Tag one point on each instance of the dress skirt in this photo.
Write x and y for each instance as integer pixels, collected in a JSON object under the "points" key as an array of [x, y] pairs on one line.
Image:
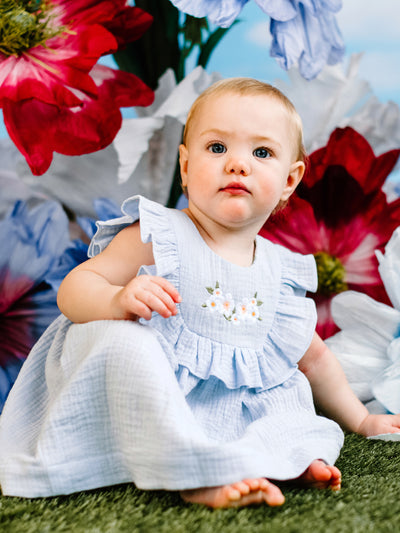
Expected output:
{"points": [[99, 404]]}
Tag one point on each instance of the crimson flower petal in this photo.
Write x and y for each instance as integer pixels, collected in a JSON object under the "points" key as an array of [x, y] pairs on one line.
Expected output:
{"points": [[39, 129], [53, 95]]}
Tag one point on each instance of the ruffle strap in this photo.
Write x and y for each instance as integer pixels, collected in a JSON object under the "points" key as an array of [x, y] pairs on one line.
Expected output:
{"points": [[155, 226]]}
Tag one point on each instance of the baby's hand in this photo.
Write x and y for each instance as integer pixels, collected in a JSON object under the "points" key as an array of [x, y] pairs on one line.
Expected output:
{"points": [[145, 294], [378, 424]]}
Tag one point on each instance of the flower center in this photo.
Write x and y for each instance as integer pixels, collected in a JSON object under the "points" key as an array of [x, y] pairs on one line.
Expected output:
{"points": [[25, 24], [331, 274]]}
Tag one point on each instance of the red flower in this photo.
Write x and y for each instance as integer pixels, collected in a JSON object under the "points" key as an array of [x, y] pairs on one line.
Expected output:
{"points": [[54, 96], [340, 214]]}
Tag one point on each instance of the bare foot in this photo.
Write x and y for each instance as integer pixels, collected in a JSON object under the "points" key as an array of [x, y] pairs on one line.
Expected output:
{"points": [[246, 492], [322, 476]]}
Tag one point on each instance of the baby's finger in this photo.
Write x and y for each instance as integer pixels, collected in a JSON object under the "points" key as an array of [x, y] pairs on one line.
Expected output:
{"points": [[156, 299], [168, 287]]}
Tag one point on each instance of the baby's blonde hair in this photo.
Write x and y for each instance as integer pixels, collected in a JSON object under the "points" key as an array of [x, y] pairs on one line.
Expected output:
{"points": [[245, 87]]}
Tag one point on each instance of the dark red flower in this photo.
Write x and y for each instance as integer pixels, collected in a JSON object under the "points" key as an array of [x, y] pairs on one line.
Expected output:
{"points": [[54, 96], [340, 214]]}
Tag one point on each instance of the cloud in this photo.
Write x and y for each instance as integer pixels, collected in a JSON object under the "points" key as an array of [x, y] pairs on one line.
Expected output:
{"points": [[376, 23]]}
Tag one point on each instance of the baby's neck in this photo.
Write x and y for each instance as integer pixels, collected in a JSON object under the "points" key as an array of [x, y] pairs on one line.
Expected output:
{"points": [[234, 245]]}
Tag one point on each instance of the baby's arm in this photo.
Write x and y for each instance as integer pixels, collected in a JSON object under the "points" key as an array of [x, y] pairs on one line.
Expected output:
{"points": [[333, 395], [107, 286]]}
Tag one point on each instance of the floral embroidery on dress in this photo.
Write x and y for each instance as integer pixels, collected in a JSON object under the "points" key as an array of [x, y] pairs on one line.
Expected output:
{"points": [[224, 304]]}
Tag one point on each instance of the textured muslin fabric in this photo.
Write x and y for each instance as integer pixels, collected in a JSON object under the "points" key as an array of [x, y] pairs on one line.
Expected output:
{"points": [[207, 397]]}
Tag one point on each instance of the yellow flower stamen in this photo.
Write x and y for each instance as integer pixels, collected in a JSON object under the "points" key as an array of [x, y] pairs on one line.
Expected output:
{"points": [[331, 274], [25, 24]]}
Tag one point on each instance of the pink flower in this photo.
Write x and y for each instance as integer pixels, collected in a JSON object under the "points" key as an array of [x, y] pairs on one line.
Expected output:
{"points": [[54, 96], [340, 214]]}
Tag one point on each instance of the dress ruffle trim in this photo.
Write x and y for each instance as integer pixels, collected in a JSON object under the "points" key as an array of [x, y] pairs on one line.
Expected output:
{"points": [[285, 343]]}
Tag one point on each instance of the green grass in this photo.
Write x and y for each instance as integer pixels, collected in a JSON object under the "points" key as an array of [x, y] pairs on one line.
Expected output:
{"points": [[368, 502]]}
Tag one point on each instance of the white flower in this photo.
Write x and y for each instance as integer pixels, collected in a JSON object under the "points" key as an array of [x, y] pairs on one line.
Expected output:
{"points": [[242, 309], [327, 101], [336, 99], [217, 293], [368, 345], [253, 313], [235, 319], [227, 305], [214, 304], [147, 146]]}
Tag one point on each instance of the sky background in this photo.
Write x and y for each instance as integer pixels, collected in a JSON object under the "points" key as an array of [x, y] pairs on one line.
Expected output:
{"points": [[244, 51]]}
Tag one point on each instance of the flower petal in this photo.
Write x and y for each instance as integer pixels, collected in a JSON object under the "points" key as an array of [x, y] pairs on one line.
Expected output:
{"points": [[222, 13], [38, 129]]}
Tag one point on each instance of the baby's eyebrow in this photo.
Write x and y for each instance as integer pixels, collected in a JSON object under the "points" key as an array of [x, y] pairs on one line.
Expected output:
{"points": [[214, 131]]}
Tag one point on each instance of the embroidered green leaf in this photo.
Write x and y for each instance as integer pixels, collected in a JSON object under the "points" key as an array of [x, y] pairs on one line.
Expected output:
{"points": [[217, 285], [259, 302], [204, 305], [210, 290]]}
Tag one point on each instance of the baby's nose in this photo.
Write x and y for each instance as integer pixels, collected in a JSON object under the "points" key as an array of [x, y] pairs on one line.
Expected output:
{"points": [[237, 165]]}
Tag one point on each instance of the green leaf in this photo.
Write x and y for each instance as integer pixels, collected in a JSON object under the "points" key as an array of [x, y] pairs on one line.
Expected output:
{"points": [[210, 290]]}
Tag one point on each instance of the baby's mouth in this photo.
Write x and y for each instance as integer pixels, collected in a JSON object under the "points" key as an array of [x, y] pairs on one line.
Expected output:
{"points": [[236, 187]]}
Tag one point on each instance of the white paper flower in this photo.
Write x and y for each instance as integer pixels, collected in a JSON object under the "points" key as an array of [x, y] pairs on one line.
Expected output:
{"points": [[147, 146], [11, 186], [368, 345], [327, 101]]}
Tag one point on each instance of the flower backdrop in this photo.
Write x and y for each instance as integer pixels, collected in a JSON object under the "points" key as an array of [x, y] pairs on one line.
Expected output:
{"points": [[71, 158]]}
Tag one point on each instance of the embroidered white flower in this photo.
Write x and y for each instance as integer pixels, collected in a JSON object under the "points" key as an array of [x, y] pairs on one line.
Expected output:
{"points": [[213, 304], [235, 319], [224, 304], [228, 305]]}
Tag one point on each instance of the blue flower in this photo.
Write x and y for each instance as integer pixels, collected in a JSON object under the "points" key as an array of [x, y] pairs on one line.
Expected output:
{"points": [[31, 242], [312, 37], [76, 251], [303, 31]]}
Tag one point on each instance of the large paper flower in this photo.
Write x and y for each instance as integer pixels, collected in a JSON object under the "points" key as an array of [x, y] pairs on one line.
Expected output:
{"points": [[31, 242], [368, 345], [341, 215], [54, 96], [303, 32]]}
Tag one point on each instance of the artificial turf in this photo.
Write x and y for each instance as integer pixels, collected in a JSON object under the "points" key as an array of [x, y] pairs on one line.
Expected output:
{"points": [[368, 502]]}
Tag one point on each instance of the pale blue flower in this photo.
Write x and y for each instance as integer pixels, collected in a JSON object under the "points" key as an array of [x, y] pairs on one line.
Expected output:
{"points": [[31, 242], [76, 251], [303, 32], [312, 38]]}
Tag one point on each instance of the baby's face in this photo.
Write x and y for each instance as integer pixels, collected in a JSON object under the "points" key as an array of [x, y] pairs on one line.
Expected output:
{"points": [[238, 162]]}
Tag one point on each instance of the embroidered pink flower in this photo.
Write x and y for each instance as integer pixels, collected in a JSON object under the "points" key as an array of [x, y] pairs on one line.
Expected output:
{"points": [[54, 96], [340, 214]]}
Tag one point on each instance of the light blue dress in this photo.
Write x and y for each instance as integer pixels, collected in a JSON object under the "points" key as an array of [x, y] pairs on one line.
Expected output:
{"points": [[210, 396]]}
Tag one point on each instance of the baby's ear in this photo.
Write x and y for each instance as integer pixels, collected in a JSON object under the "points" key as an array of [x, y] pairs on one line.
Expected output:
{"points": [[183, 163], [296, 173]]}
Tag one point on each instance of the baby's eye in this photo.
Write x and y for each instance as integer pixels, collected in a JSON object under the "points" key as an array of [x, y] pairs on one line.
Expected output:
{"points": [[217, 148], [262, 153]]}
